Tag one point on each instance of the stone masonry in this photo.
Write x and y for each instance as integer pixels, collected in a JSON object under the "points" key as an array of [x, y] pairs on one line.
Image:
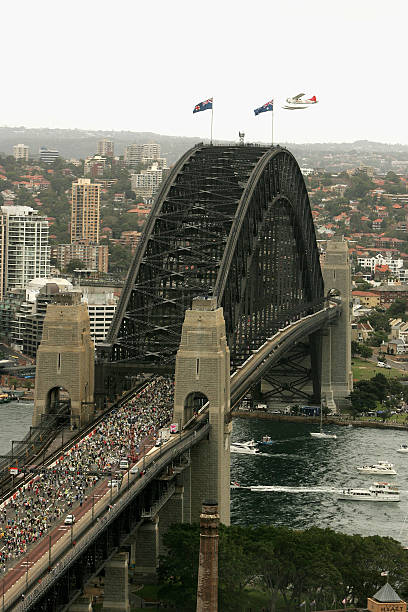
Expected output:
{"points": [[203, 366], [65, 359], [337, 379]]}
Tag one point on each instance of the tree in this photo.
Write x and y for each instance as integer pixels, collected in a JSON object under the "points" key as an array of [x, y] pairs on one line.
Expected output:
{"points": [[365, 351], [398, 308], [74, 264]]}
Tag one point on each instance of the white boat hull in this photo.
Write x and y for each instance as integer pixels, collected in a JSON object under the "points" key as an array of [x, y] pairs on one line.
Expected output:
{"points": [[363, 470], [403, 451], [243, 451], [323, 435], [368, 498]]}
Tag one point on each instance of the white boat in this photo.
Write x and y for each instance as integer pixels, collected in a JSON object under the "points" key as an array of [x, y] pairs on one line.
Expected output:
{"points": [[320, 434], [382, 467], [403, 448], [243, 449], [378, 492]]}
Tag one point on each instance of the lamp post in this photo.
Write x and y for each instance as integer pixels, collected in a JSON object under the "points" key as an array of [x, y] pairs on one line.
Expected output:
{"points": [[49, 551], [93, 505]]}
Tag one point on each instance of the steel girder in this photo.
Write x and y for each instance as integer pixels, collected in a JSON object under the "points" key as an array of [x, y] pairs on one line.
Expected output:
{"points": [[230, 221]]}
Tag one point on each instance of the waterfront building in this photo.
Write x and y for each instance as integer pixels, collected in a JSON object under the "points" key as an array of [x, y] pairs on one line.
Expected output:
{"points": [[20, 151], [386, 600], [24, 248], [85, 207]]}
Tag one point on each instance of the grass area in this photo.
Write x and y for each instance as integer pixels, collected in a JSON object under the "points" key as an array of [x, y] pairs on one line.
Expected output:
{"points": [[363, 369]]}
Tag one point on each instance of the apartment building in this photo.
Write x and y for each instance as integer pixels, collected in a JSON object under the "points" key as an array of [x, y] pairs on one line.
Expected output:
{"points": [[48, 156], [136, 154], [94, 256], [147, 182], [105, 147], [24, 248], [85, 207], [20, 151]]}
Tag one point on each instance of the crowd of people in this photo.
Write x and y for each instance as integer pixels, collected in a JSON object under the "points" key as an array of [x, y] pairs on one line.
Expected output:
{"points": [[58, 489]]}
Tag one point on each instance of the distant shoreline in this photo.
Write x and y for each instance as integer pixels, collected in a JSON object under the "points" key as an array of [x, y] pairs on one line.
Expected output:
{"points": [[289, 418]]}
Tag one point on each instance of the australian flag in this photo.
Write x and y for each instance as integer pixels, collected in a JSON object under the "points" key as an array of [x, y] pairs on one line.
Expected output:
{"points": [[268, 106], [206, 105]]}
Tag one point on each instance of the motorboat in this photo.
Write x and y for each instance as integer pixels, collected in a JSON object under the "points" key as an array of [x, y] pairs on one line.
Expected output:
{"points": [[378, 492], [382, 467], [321, 434], [403, 449], [243, 449], [235, 485], [266, 440]]}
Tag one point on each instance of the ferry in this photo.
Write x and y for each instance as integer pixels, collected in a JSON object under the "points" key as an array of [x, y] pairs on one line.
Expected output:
{"points": [[378, 492], [243, 448], [403, 448]]}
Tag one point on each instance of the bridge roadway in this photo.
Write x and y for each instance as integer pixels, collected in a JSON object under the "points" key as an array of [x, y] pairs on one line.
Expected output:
{"points": [[65, 543]]}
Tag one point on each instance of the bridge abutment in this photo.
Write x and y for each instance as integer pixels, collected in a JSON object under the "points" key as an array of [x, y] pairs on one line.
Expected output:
{"points": [[337, 380], [172, 512], [203, 374]]}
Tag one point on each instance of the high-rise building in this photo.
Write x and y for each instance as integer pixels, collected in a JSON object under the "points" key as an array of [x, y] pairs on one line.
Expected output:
{"points": [[24, 249], [85, 205], [136, 154], [20, 151], [105, 147], [48, 156]]}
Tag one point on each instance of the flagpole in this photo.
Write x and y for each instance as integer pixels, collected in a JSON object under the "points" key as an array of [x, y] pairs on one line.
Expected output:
{"points": [[272, 128], [212, 116]]}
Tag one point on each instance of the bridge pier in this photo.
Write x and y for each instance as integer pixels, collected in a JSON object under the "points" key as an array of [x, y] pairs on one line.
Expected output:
{"points": [[172, 512], [203, 375], [116, 592], [145, 551], [337, 379]]}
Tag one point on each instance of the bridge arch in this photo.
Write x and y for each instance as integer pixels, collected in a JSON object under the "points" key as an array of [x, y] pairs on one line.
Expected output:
{"points": [[193, 402], [230, 221]]}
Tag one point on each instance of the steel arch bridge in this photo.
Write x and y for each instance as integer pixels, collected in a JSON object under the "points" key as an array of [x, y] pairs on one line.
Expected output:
{"points": [[229, 221]]}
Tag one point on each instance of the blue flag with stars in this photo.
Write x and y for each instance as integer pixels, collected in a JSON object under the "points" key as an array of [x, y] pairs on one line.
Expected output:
{"points": [[201, 106], [268, 106]]}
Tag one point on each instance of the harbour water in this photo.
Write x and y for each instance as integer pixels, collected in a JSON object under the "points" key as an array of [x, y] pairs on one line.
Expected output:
{"points": [[305, 474], [15, 421]]}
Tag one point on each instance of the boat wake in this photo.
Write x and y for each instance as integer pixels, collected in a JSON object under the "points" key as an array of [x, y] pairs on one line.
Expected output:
{"points": [[281, 489]]}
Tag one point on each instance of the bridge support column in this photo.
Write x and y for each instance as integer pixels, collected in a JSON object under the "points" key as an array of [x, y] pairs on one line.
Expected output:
{"points": [[336, 355], [203, 373], [185, 478], [147, 551], [171, 513], [116, 593]]}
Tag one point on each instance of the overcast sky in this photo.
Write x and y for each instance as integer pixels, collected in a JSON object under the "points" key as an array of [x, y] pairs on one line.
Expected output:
{"points": [[142, 65]]}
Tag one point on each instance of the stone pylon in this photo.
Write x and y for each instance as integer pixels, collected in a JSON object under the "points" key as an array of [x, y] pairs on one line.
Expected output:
{"points": [[203, 374], [337, 379], [207, 586], [65, 359]]}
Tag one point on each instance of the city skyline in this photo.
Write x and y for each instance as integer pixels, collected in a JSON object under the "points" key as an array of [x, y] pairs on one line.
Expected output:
{"points": [[349, 55]]}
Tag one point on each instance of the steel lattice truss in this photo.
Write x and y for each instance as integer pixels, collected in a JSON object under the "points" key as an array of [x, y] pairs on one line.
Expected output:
{"points": [[230, 221]]}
